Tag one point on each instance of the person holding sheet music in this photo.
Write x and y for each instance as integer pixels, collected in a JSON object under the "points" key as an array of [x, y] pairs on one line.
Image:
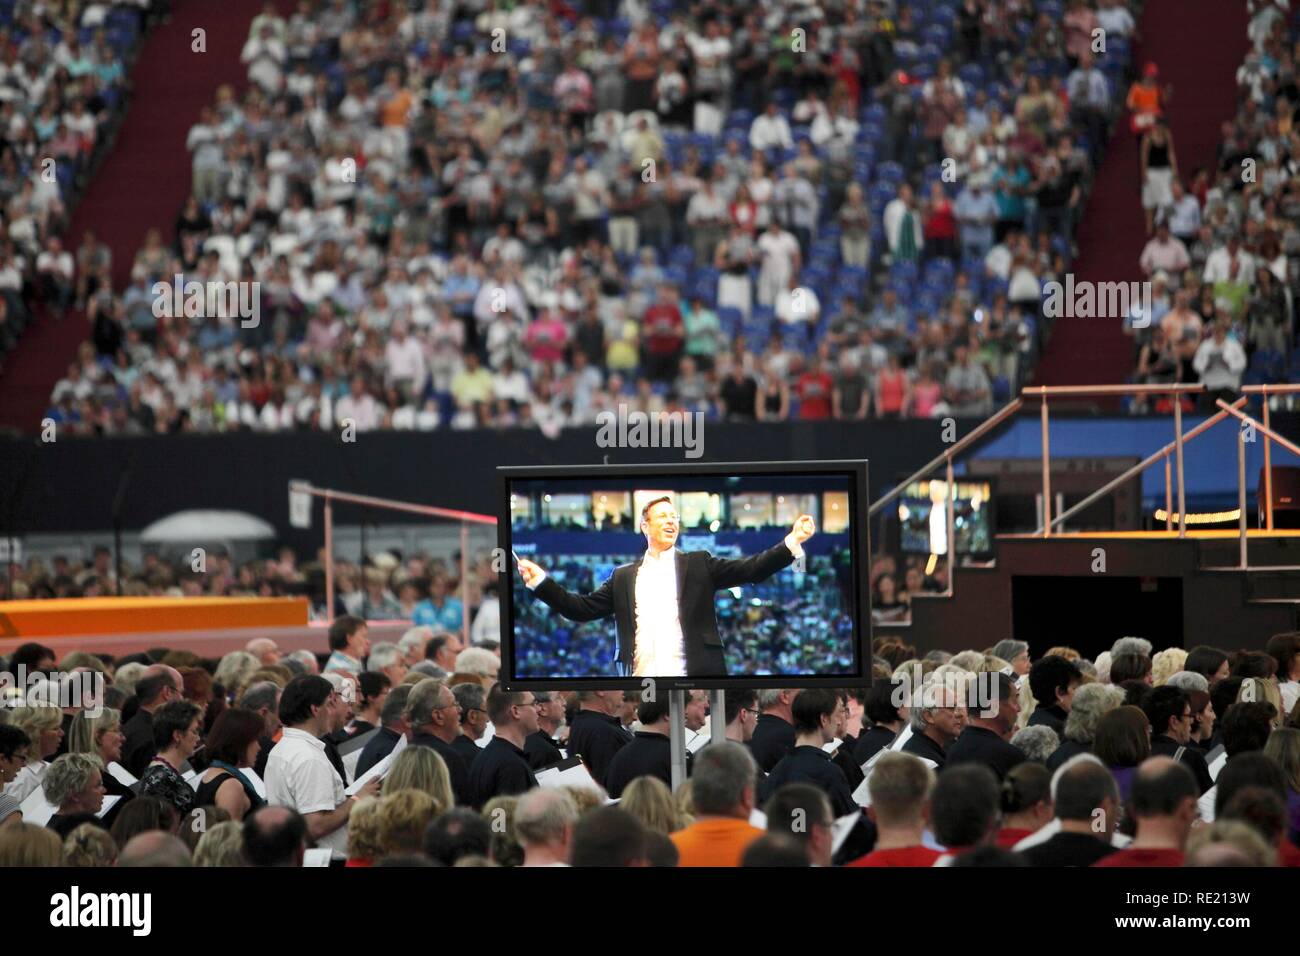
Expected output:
{"points": [[298, 773], [433, 715], [74, 784], [392, 728], [502, 768], [177, 734], [663, 602], [938, 718], [158, 686], [232, 747], [816, 718], [102, 737], [13, 756]]}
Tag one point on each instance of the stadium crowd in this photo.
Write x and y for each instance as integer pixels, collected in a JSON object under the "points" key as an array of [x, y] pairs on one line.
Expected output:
{"points": [[1224, 259], [464, 216], [63, 92], [410, 754]]}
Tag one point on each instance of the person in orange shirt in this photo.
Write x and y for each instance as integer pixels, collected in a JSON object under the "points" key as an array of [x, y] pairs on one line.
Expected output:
{"points": [[723, 785], [1146, 101]]}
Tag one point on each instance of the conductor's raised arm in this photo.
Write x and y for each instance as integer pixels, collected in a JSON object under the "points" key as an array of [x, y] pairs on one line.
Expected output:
{"points": [[728, 573], [576, 607]]}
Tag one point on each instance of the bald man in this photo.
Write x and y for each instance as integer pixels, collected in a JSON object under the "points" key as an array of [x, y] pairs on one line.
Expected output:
{"points": [[275, 837], [544, 821], [158, 685], [154, 848], [265, 650]]}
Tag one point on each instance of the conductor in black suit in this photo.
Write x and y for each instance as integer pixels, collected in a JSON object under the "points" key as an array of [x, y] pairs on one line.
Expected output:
{"points": [[663, 602]]}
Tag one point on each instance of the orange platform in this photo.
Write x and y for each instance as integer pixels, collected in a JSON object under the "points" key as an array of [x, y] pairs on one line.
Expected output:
{"points": [[74, 617]]}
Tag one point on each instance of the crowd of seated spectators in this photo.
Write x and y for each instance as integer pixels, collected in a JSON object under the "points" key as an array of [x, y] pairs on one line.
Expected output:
{"points": [[982, 758], [1224, 260], [63, 91], [460, 216]]}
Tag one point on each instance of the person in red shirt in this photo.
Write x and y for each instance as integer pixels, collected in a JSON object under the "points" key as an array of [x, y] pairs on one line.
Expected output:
{"points": [[814, 390], [900, 787], [1164, 799], [664, 334], [1026, 803]]}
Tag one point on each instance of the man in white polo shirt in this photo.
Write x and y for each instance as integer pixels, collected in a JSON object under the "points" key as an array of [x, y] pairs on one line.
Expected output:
{"points": [[300, 775]]}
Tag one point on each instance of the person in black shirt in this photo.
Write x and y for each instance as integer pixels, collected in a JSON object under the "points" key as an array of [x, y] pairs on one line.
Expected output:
{"points": [[392, 728], [471, 699], [434, 720], [1170, 713], [648, 755], [739, 394], [812, 829], [1086, 798], [774, 734], [541, 747], [502, 768], [881, 709], [596, 734], [815, 717], [158, 685], [938, 716], [263, 698], [1052, 680], [740, 708], [989, 722]]}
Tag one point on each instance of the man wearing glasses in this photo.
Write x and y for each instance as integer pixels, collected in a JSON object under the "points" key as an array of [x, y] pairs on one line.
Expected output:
{"points": [[742, 714], [473, 721], [1170, 713], [433, 715], [938, 718], [663, 603], [502, 767]]}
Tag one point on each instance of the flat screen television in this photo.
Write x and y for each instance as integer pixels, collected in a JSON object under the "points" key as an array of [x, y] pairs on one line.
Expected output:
{"points": [[923, 520], [693, 576]]}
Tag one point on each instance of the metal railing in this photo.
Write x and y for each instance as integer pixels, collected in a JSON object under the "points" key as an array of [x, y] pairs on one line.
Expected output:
{"points": [[1043, 391], [330, 496], [946, 458], [1266, 391]]}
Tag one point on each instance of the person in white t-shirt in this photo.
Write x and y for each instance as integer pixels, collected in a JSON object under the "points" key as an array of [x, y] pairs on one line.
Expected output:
{"points": [[298, 773]]}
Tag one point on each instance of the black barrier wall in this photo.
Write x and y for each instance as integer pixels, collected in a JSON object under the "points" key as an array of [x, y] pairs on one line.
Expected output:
{"points": [[69, 485]]}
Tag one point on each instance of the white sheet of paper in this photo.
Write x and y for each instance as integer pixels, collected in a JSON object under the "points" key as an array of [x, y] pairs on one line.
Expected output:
{"points": [[833, 746], [841, 829], [121, 774], [36, 809], [758, 819], [109, 801], [862, 795], [379, 770], [488, 733], [317, 856], [576, 776], [697, 743], [193, 777]]}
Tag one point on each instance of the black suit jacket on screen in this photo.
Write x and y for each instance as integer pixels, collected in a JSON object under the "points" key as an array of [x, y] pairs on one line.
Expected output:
{"points": [[699, 576]]}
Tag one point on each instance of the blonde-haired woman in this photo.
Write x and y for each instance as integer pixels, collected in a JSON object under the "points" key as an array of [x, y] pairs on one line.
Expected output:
{"points": [[43, 724], [222, 845], [421, 768], [403, 818], [365, 845], [26, 844], [1166, 664], [1265, 689], [650, 801], [89, 845]]}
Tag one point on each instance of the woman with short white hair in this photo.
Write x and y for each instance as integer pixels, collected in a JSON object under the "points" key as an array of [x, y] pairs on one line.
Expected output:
{"points": [[75, 784]]}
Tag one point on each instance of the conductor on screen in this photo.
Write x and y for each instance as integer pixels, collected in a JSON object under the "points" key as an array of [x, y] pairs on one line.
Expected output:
{"points": [[663, 601]]}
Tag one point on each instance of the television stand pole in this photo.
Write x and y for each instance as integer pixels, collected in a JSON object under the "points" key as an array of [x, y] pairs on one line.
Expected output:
{"points": [[677, 735]]}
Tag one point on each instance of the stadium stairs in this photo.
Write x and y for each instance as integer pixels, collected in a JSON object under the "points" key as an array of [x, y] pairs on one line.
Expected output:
{"points": [[1198, 45], [142, 182]]}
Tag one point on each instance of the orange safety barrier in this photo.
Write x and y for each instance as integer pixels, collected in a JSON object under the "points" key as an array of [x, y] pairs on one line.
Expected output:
{"points": [[113, 615]]}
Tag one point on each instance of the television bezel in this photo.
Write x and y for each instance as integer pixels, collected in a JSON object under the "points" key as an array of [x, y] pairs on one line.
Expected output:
{"points": [[859, 556]]}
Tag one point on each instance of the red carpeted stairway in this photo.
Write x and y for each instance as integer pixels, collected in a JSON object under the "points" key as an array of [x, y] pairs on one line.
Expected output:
{"points": [[1198, 45], [142, 183]]}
